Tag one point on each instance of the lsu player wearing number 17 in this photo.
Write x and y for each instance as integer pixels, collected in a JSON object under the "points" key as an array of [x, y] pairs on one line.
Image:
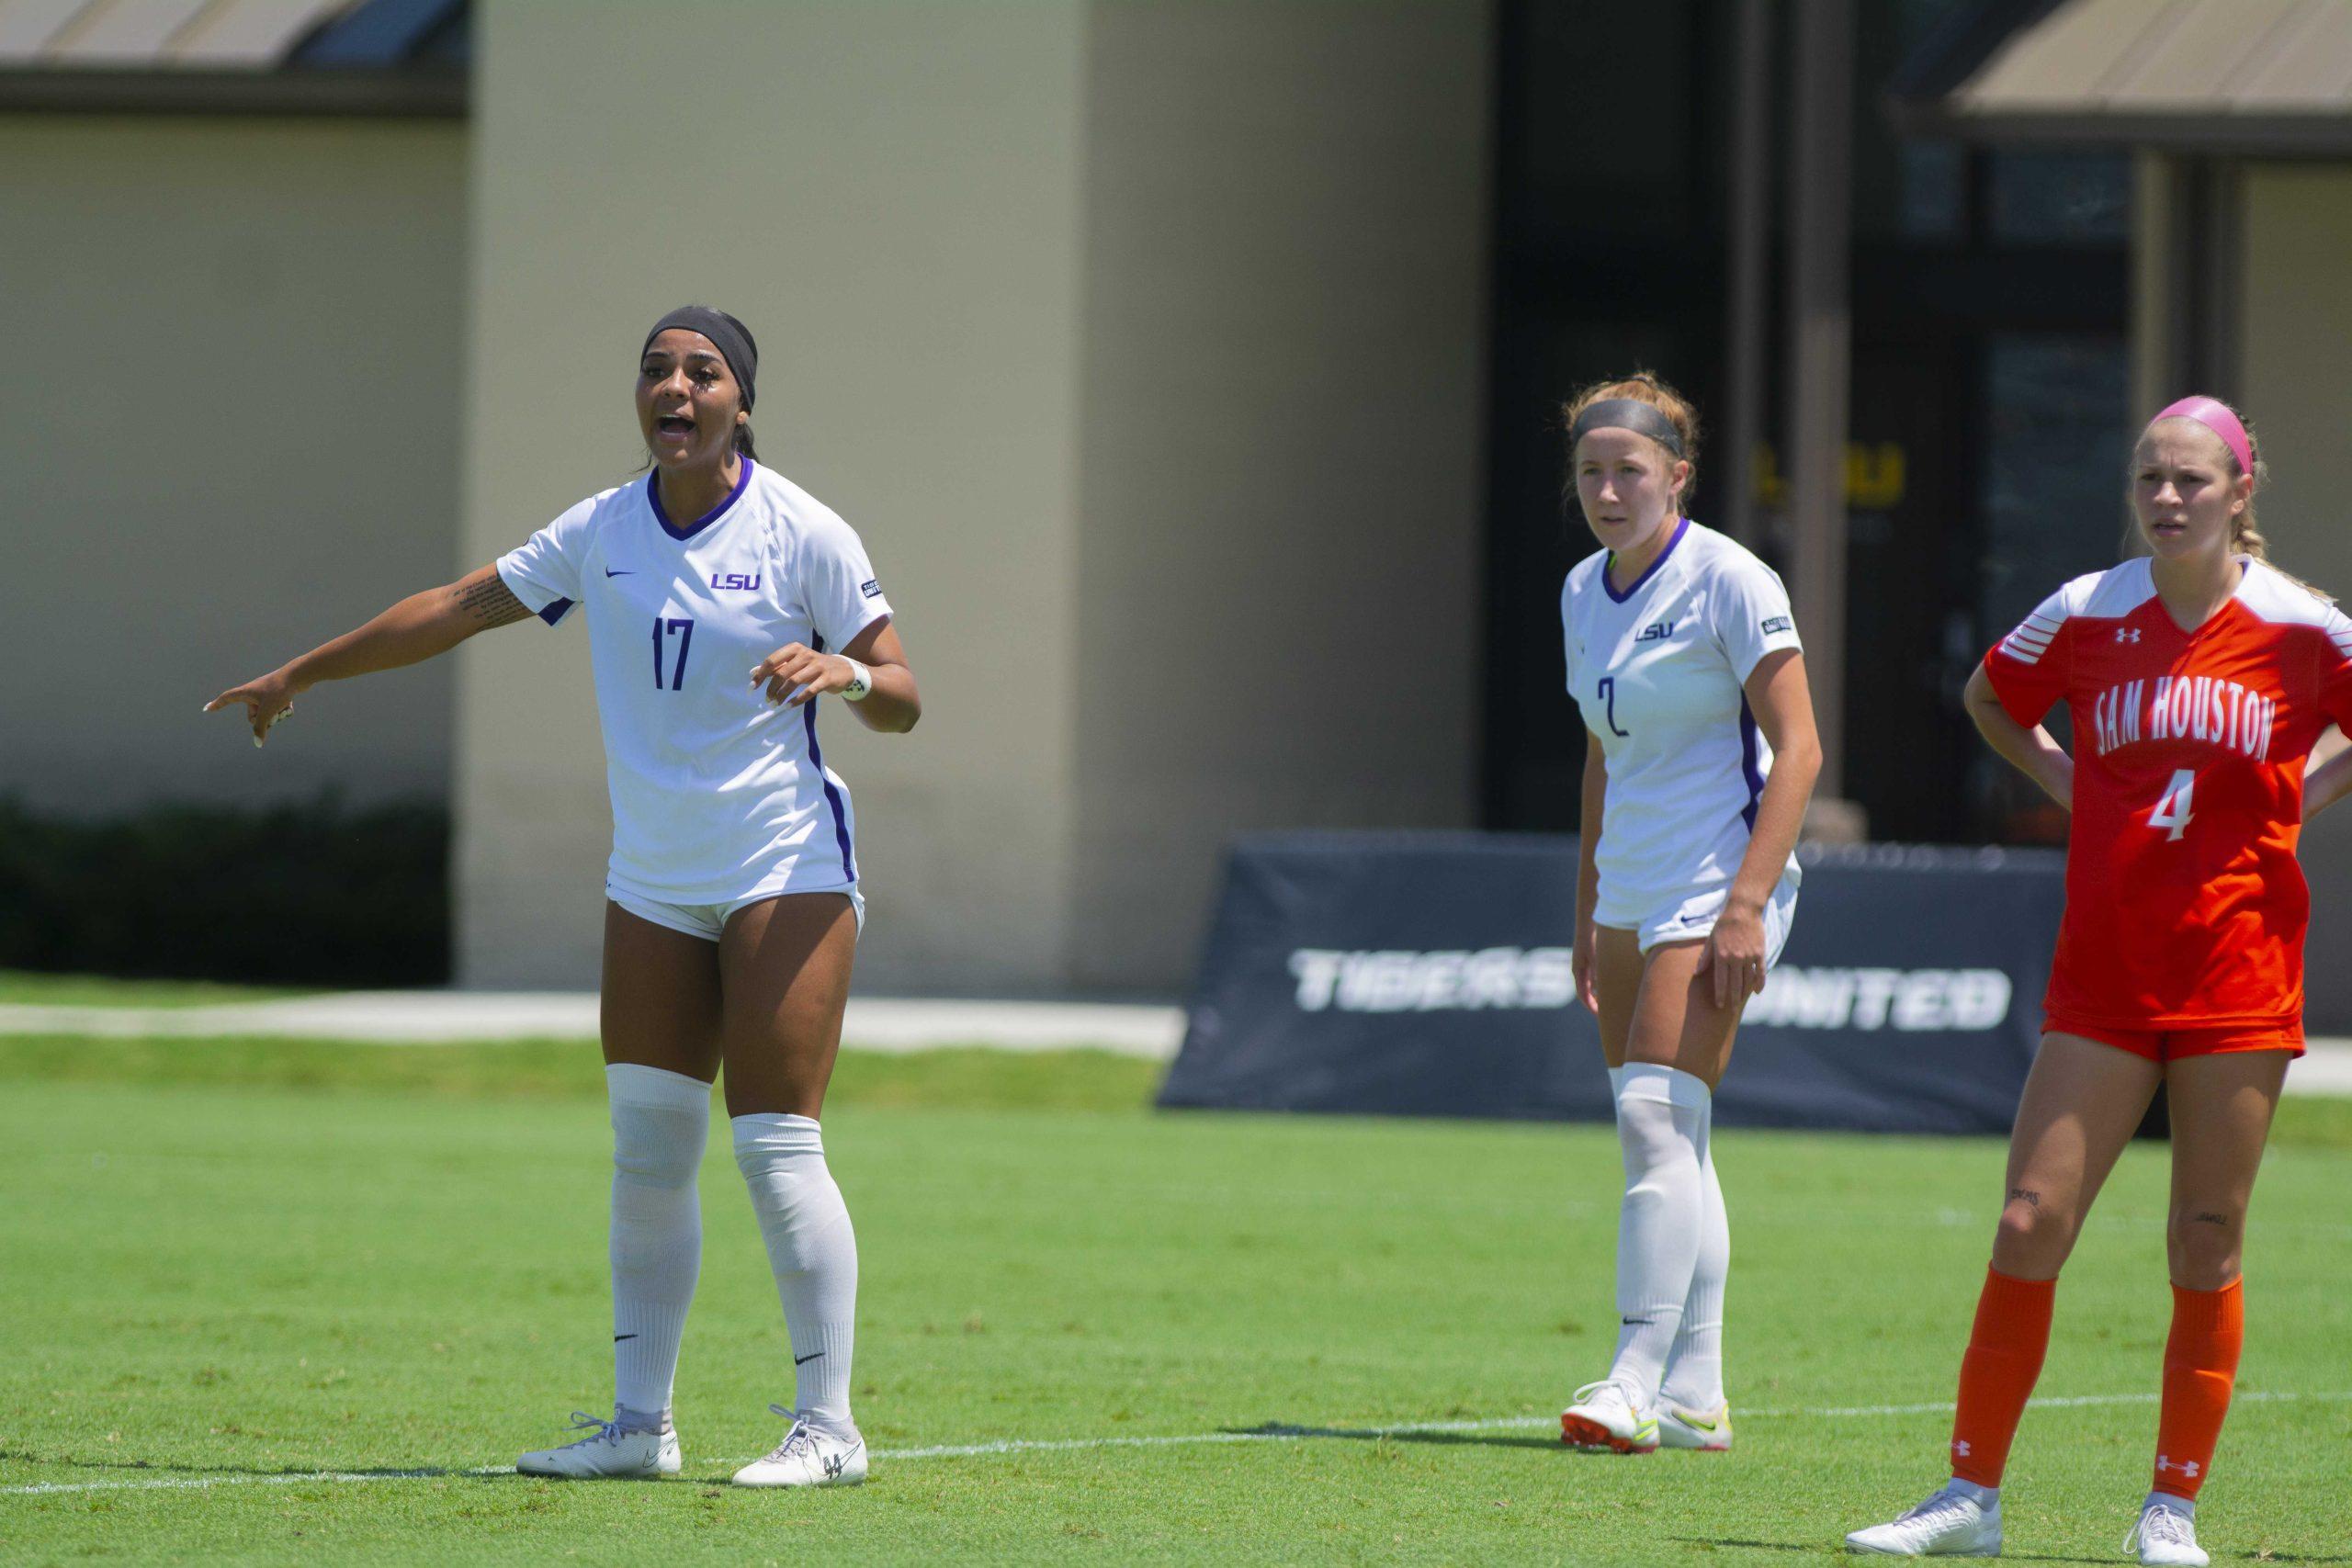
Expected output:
{"points": [[721, 601]]}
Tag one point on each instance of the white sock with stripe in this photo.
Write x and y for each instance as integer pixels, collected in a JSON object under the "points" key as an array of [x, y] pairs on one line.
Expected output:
{"points": [[1694, 1367], [660, 1121], [812, 1251], [1660, 1113]]}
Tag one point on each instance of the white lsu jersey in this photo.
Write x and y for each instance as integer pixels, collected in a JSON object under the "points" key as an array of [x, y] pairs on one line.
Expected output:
{"points": [[717, 794], [1659, 671]]}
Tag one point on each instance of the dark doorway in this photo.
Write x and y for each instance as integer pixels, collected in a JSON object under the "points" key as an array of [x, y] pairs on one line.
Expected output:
{"points": [[1990, 304]]}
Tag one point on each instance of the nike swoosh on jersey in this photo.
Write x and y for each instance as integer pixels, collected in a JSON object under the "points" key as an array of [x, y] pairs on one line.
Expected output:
{"points": [[625, 571]]}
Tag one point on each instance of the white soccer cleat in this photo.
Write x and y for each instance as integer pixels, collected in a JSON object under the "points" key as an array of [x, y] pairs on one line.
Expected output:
{"points": [[607, 1453], [807, 1457], [2165, 1536], [1707, 1431], [1946, 1524], [1604, 1417]]}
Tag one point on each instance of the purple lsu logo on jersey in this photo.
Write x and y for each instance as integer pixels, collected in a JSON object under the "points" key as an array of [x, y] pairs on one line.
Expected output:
{"points": [[734, 580]]}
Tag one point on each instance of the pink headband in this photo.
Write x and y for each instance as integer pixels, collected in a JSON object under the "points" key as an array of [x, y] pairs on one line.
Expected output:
{"points": [[2221, 419]]}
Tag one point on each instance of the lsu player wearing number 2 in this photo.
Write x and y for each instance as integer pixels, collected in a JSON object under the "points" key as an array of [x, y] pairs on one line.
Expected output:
{"points": [[1700, 754], [2198, 679], [721, 602]]}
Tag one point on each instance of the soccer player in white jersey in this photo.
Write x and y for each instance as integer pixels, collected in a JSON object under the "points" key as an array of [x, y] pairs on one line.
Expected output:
{"points": [[721, 602], [1700, 755]]}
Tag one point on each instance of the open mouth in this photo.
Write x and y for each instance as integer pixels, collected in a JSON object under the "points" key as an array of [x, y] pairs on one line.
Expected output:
{"points": [[674, 424]]}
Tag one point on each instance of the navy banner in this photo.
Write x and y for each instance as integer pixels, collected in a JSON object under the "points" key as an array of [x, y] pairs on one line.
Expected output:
{"points": [[1427, 973]]}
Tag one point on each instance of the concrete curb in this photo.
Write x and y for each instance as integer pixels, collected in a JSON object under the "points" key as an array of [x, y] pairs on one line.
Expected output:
{"points": [[449, 1017]]}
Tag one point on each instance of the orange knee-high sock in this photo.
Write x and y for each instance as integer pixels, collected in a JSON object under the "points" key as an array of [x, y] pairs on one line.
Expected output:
{"points": [[2200, 1368], [2005, 1351]]}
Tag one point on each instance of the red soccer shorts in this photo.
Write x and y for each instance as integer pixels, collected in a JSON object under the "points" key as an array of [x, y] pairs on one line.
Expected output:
{"points": [[2171, 1045]]}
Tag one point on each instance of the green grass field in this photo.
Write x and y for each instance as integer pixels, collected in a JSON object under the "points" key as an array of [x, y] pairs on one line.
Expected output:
{"points": [[229, 1266]]}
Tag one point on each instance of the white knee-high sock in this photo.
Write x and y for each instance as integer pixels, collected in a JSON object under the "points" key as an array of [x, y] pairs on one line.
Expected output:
{"points": [[1660, 1110], [813, 1252], [1694, 1368], [659, 1119]]}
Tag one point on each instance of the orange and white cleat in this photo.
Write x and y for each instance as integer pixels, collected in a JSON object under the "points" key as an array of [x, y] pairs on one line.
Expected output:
{"points": [[1604, 1417]]}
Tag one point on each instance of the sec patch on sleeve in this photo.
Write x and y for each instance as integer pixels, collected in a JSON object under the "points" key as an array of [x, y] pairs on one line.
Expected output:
{"points": [[871, 588]]}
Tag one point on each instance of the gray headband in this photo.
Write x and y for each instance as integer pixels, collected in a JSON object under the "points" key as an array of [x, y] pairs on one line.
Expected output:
{"points": [[730, 336], [1627, 413]]}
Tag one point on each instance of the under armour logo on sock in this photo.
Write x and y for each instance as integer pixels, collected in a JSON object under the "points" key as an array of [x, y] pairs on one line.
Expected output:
{"points": [[2187, 1467], [1960, 1447]]}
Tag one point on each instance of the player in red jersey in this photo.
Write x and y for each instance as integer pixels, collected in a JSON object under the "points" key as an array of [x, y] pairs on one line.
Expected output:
{"points": [[2198, 679]]}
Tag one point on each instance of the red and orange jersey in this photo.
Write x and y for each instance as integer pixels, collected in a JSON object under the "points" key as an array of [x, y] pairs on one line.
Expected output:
{"points": [[2185, 904]]}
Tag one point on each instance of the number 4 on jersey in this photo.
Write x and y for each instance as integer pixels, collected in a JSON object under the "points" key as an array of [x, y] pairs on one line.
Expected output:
{"points": [[2173, 810]]}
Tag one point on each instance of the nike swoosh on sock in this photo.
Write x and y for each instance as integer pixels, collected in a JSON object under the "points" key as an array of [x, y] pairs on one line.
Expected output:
{"points": [[803, 1360]]}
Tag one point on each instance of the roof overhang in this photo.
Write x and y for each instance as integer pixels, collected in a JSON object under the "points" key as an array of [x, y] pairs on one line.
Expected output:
{"points": [[374, 58], [2234, 77]]}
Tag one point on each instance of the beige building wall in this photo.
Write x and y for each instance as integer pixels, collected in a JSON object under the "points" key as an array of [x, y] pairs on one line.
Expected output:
{"points": [[2296, 320], [227, 433], [2296, 324], [1139, 341], [889, 195]]}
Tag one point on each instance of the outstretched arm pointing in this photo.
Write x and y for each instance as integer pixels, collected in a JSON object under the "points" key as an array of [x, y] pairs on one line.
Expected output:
{"points": [[409, 633]]}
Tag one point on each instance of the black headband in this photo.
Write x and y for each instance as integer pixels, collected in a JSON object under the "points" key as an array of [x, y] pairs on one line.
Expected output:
{"points": [[730, 336], [1627, 413]]}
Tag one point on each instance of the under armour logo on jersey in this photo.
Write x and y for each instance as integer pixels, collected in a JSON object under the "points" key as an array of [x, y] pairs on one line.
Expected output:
{"points": [[2187, 1467], [2127, 633], [1656, 631]]}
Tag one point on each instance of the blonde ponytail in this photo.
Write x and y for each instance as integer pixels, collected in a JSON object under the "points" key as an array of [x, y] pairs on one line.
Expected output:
{"points": [[2246, 533]]}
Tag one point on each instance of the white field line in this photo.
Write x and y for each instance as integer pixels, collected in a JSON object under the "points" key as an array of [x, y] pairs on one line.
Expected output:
{"points": [[1285, 1434]]}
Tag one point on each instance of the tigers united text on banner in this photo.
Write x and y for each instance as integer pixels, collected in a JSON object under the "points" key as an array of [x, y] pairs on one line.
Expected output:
{"points": [[1430, 973]]}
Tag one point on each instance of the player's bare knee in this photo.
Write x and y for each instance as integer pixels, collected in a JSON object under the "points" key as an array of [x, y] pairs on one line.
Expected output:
{"points": [[2035, 1234], [2202, 1243]]}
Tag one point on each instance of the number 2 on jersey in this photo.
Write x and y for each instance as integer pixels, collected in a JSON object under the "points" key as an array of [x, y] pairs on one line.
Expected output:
{"points": [[1608, 690], [684, 630], [2174, 810]]}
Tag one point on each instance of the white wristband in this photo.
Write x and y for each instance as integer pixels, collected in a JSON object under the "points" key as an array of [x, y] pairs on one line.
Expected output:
{"points": [[861, 683]]}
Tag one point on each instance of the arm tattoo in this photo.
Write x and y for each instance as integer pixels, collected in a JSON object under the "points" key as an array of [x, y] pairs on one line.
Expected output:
{"points": [[489, 603], [2025, 1195]]}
